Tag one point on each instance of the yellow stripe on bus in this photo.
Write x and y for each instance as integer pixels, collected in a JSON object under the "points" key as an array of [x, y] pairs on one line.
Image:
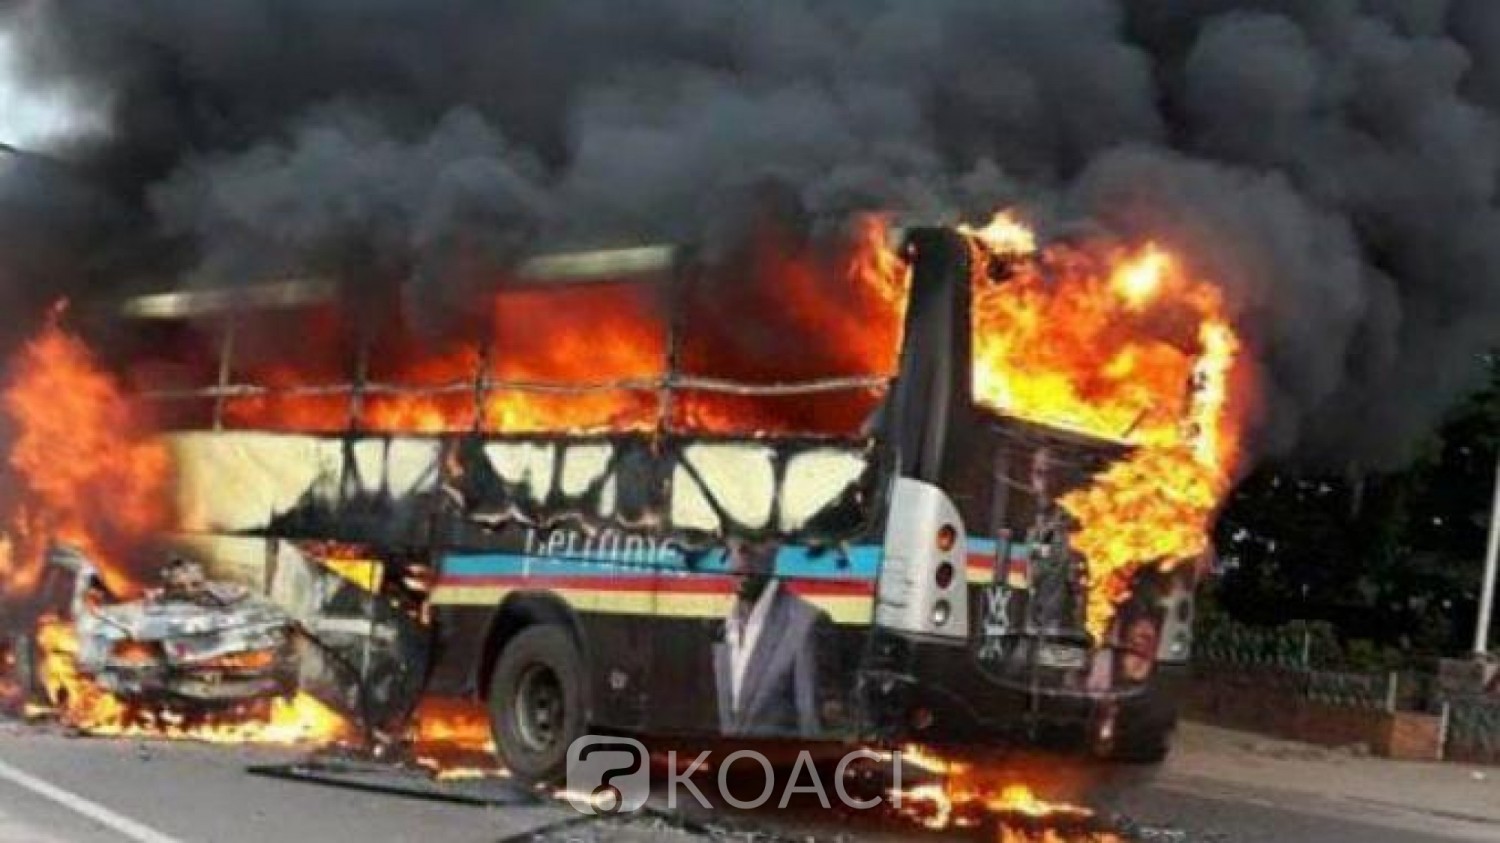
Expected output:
{"points": [[841, 608]]}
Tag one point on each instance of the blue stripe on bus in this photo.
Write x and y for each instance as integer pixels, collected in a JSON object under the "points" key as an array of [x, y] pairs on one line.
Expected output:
{"points": [[856, 562], [860, 562]]}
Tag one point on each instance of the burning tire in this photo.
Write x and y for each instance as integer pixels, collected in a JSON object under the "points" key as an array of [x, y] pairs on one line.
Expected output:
{"points": [[537, 706]]}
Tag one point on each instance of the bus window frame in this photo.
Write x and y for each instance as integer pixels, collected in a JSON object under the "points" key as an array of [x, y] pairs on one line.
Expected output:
{"points": [[667, 385]]}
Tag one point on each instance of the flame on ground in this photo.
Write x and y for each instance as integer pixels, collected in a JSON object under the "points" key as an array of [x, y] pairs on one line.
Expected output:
{"points": [[1126, 344], [959, 795], [84, 705], [451, 738], [462, 722]]}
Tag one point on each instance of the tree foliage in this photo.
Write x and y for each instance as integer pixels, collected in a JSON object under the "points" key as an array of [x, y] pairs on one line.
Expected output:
{"points": [[1391, 558]]}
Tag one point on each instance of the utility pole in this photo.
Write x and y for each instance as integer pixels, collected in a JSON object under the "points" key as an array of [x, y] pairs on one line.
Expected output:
{"points": [[1491, 564]]}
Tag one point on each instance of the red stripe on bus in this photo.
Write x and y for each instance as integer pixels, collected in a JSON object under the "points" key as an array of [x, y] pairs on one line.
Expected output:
{"points": [[982, 561]]}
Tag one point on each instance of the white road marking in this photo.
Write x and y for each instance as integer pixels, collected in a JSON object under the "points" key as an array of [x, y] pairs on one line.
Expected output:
{"points": [[77, 804]]}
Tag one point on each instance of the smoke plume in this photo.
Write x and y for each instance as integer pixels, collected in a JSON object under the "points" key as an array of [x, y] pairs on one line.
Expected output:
{"points": [[1332, 164]]}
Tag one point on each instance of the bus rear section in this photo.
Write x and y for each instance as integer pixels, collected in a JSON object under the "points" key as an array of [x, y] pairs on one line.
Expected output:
{"points": [[979, 638]]}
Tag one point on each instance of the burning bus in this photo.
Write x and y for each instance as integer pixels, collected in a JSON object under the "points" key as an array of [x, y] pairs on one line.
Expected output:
{"points": [[934, 486]]}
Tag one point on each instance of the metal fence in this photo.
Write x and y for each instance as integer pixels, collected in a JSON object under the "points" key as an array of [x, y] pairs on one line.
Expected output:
{"points": [[1301, 661], [1300, 646], [1378, 691], [1473, 727], [1365, 691], [1305, 660]]}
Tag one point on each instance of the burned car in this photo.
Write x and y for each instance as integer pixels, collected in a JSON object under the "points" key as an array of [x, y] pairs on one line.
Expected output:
{"points": [[192, 641]]}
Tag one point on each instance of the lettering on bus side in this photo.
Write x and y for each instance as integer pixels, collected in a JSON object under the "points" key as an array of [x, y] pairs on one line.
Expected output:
{"points": [[607, 545]]}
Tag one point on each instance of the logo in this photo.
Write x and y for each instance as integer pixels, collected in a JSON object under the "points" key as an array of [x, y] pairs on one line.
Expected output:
{"points": [[607, 775], [996, 622], [997, 610], [612, 775]]}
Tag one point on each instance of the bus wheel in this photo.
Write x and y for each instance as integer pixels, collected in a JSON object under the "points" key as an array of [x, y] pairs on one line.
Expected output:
{"points": [[1143, 733], [537, 702]]}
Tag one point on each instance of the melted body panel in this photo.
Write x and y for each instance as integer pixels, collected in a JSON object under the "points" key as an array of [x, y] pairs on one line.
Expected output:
{"points": [[221, 645]]}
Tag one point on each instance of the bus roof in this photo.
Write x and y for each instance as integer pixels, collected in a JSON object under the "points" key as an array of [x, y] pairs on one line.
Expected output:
{"points": [[553, 269]]}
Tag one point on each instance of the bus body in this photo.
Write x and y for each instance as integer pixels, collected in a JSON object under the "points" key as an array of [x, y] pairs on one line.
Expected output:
{"points": [[909, 581]]}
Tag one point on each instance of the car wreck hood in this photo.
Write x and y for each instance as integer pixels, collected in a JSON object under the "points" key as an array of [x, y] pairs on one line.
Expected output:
{"points": [[156, 621]]}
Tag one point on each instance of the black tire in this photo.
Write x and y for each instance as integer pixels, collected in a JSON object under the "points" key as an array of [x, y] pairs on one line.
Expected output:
{"points": [[1144, 729], [537, 703], [28, 667]]}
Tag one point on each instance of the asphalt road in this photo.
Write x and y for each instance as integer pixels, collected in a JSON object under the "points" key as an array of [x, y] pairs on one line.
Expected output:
{"points": [[59, 789]]}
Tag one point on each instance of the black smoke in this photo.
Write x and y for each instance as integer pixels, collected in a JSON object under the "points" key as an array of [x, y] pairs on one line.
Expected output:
{"points": [[1332, 164]]}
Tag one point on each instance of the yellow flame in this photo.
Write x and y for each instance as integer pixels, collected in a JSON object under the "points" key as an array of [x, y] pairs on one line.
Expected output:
{"points": [[1126, 344], [962, 789], [1138, 280], [1005, 234], [83, 704]]}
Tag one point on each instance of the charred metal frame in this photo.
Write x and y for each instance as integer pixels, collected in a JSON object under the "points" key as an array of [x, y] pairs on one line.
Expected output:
{"points": [[482, 383]]}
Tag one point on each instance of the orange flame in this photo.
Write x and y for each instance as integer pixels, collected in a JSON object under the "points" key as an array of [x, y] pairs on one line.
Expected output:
{"points": [[961, 791], [86, 706], [451, 738], [462, 723], [549, 349], [1124, 344], [87, 470]]}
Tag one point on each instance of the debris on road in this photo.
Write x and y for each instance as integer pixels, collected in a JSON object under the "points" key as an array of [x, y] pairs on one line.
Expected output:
{"points": [[354, 772]]}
